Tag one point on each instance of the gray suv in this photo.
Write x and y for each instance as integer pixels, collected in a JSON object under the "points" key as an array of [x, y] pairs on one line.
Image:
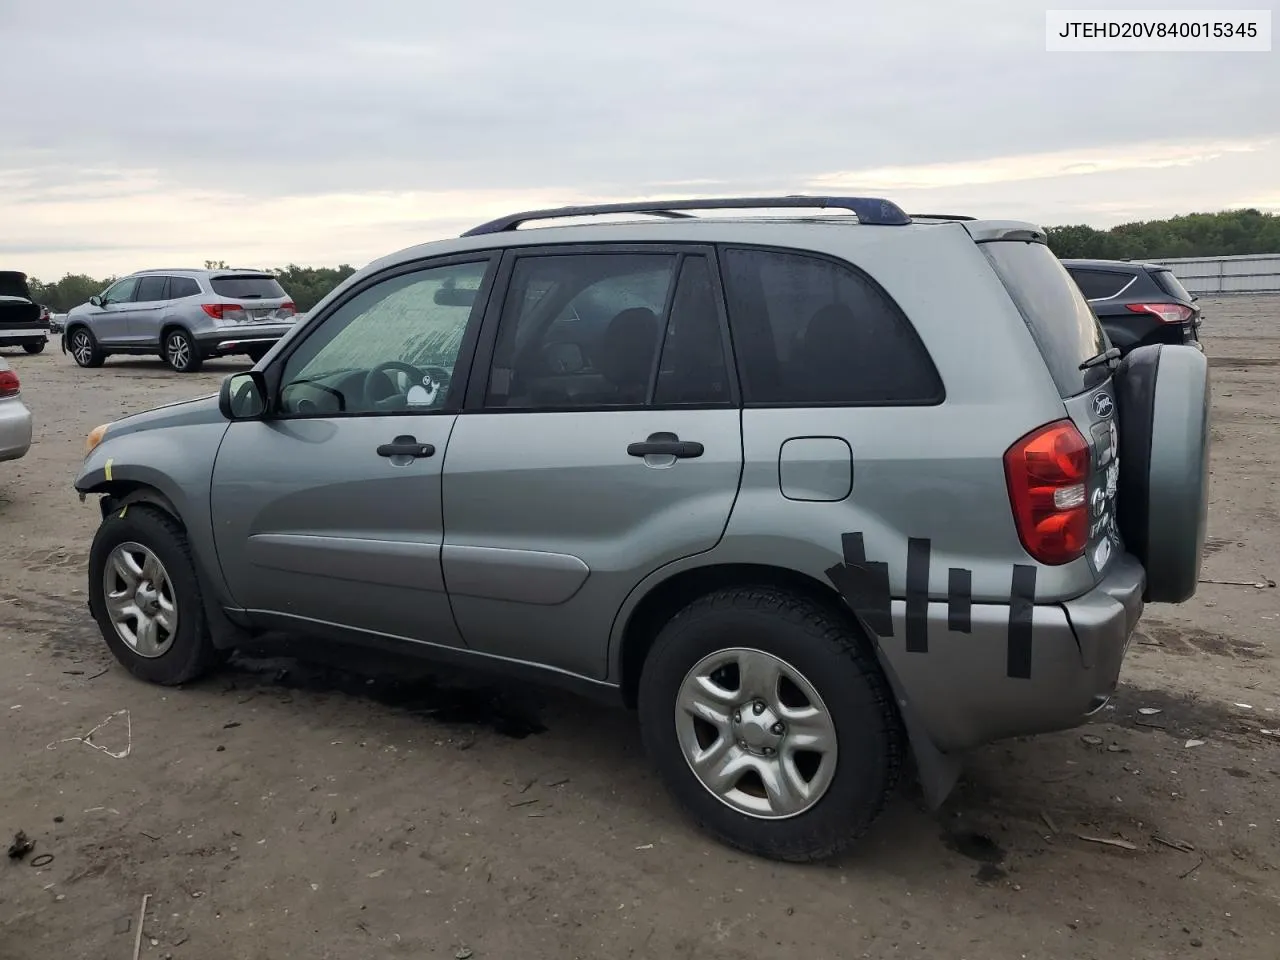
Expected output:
{"points": [[815, 494], [184, 316]]}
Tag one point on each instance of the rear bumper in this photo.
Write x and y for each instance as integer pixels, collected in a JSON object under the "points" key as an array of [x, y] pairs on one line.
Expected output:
{"points": [[24, 334], [15, 428], [233, 340], [961, 692]]}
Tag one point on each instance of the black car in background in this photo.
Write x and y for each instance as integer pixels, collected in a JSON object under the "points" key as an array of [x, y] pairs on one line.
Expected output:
{"points": [[1137, 303]]}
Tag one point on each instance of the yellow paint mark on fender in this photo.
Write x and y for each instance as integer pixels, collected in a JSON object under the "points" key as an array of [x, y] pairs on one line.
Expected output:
{"points": [[107, 468]]}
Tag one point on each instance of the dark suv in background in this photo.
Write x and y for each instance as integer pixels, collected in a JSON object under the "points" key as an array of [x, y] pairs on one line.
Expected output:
{"points": [[1137, 303]]}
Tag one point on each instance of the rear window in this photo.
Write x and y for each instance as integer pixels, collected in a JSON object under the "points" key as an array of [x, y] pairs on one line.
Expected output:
{"points": [[1170, 284], [1099, 284], [1056, 312], [247, 287]]}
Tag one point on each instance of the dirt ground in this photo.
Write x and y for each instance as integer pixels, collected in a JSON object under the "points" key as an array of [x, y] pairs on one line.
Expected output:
{"points": [[291, 809]]}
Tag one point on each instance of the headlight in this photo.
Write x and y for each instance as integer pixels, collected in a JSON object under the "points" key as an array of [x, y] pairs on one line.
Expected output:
{"points": [[95, 437]]}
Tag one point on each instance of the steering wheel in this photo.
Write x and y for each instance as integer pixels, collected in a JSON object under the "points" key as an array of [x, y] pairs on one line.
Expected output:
{"points": [[434, 380]]}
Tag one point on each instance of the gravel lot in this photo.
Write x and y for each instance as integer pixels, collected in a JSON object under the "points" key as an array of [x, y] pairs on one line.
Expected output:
{"points": [[286, 808]]}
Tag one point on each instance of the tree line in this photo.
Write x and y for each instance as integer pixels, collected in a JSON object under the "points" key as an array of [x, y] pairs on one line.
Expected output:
{"points": [[1230, 233]]}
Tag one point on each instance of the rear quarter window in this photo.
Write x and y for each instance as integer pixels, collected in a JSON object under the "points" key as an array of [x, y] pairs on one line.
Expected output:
{"points": [[1060, 319], [247, 287], [812, 331], [1099, 284]]}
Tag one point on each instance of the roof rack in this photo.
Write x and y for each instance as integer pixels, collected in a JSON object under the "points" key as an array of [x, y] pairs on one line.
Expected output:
{"points": [[869, 210], [941, 216]]}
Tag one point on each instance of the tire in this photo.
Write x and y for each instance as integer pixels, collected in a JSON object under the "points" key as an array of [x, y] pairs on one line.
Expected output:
{"points": [[84, 349], [181, 352], [163, 657], [761, 627], [1162, 401], [36, 347], [257, 353]]}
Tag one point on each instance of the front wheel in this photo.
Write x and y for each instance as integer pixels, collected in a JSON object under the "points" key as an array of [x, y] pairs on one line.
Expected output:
{"points": [[36, 346], [771, 723], [145, 595], [181, 352], [84, 348]]}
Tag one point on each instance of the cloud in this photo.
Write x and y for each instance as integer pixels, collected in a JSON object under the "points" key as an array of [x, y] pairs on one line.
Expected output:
{"points": [[334, 131]]}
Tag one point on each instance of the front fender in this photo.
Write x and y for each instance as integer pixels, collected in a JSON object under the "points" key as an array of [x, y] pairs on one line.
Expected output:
{"points": [[174, 463]]}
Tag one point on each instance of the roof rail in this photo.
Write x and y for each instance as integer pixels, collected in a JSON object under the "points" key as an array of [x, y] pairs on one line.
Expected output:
{"points": [[869, 210], [941, 216]]}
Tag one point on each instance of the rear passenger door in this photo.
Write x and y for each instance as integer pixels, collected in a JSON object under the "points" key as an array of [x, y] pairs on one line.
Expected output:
{"points": [[149, 303], [601, 440]]}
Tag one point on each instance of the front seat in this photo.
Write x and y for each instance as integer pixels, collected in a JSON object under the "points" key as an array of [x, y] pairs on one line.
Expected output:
{"points": [[626, 353]]}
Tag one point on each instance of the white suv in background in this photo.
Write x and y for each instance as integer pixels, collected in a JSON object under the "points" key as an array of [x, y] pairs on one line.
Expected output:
{"points": [[184, 316]]}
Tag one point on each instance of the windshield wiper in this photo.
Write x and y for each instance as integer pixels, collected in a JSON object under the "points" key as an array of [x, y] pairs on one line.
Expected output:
{"points": [[1108, 357]]}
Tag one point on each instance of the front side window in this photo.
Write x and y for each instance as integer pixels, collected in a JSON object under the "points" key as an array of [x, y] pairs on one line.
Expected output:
{"points": [[808, 330], [121, 292], [391, 348]]}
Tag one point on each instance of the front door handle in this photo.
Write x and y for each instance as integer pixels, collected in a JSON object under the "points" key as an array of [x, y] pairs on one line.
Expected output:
{"points": [[665, 445], [406, 446]]}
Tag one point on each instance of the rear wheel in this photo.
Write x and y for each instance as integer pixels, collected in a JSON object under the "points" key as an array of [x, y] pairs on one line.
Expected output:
{"points": [[770, 723], [181, 351], [145, 595], [36, 346], [257, 353], [84, 348]]}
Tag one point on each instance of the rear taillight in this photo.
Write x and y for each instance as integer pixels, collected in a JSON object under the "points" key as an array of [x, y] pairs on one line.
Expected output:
{"points": [[224, 311], [1167, 312], [286, 309], [1047, 471], [9, 385]]}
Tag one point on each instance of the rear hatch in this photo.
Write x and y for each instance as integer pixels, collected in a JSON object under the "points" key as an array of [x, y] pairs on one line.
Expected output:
{"points": [[16, 308], [259, 295], [1070, 340]]}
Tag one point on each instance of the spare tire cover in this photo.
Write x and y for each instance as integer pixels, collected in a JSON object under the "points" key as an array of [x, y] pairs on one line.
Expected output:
{"points": [[1162, 400]]}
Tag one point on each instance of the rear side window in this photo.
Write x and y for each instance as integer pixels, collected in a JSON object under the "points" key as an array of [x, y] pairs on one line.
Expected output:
{"points": [[180, 287], [150, 289], [807, 330], [1061, 321], [1170, 284], [247, 287], [1099, 284]]}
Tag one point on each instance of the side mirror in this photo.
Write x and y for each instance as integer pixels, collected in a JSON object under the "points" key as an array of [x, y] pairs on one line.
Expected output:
{"points": [[562, 358], [243, 396], [95, 301]]}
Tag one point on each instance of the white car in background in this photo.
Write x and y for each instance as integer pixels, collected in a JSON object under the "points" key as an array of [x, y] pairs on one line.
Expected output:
{"points": [[15, 418]]}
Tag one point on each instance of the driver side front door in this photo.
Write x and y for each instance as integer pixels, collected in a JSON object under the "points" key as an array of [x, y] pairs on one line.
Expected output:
{"points": [[327, 515], [110, 321]]}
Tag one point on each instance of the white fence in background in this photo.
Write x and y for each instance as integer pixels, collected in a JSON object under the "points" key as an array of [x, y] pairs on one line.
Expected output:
{"points": [[1207, 276]]}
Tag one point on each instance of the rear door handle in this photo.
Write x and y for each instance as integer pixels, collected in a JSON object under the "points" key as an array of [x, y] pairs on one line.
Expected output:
{"points": [[665, 445], [406, 447]]}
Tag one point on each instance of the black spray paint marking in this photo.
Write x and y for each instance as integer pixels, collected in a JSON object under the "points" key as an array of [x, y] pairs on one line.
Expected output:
{"points": [[864, 585], [917, 595], [1022, 595], [959, 599]]}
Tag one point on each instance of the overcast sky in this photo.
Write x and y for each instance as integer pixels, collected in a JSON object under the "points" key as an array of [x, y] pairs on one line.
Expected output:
{"points": [[139, 133]]}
